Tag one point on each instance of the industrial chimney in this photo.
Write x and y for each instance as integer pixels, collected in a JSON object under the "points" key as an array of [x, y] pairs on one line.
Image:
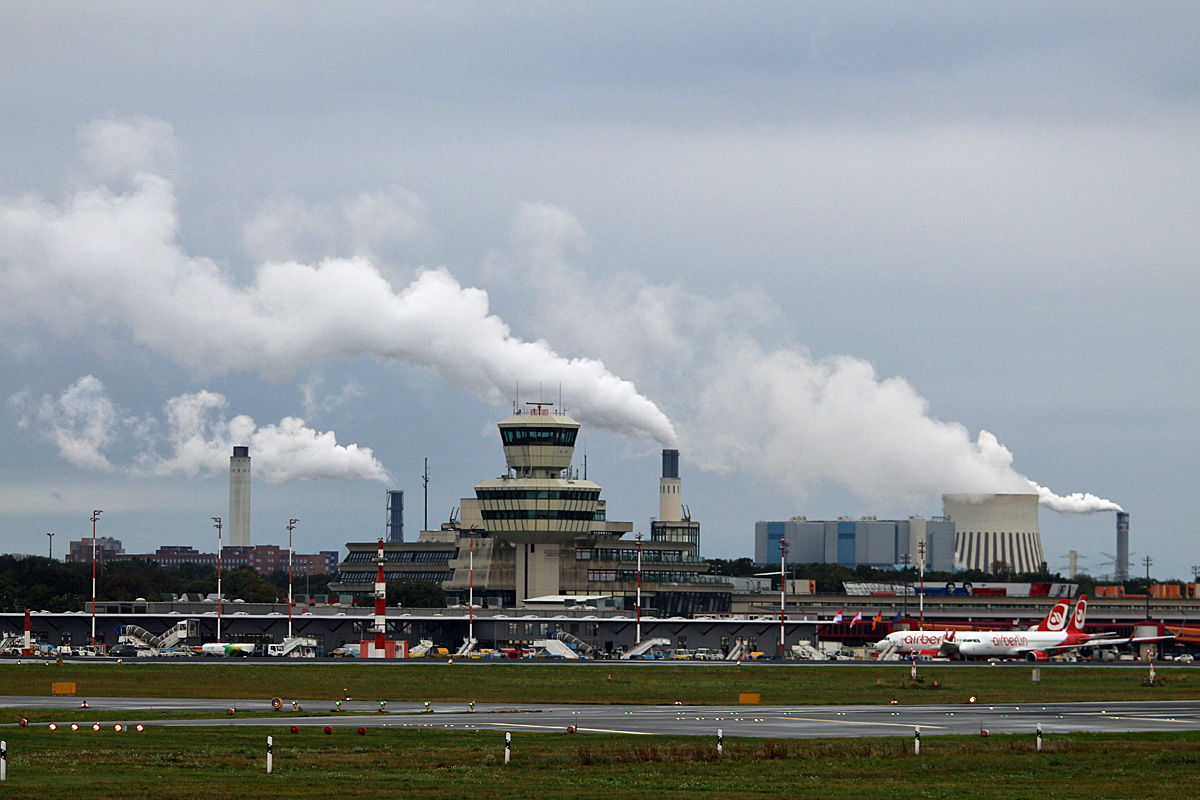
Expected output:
{"points": [[395, 516], [670, 504], [239, 497], [1122, 565]]}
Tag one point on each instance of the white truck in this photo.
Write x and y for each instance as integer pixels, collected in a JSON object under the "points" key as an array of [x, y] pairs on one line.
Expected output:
{"points": [[295, 647]]}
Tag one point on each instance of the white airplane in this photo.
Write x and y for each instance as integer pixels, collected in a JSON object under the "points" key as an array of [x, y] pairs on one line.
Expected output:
{"points": [[1034, 645], [930, 643]]}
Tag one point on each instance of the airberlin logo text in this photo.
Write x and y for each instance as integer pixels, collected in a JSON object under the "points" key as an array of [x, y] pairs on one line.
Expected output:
{"points": [[1009, 641], [923, 638]]}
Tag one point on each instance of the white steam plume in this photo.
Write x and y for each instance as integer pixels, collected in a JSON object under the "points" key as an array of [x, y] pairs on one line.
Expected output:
{"points": [[103, 260], [87, 427], [776, 412]]}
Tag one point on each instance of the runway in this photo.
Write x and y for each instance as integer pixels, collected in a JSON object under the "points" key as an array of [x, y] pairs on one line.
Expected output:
{"points": [[792, 722]]}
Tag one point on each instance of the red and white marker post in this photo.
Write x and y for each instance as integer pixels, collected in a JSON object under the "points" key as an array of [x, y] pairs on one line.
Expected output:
{"points": [[380, 606]]}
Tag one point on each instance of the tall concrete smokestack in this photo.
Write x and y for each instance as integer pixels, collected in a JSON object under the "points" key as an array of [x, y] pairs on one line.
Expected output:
{"points": [[670, 503], [239, 497], [1122, 565], [395, 515]]}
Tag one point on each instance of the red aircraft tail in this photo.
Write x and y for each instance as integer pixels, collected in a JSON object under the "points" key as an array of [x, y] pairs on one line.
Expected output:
{"points": [[1075, 625], [1056, 620]]}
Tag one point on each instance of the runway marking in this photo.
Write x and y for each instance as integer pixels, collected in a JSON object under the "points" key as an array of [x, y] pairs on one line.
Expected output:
{"points": [[855, 722], [560, 727]]}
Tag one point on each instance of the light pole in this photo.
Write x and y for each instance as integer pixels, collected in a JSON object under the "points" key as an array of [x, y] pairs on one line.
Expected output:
{"points": [[782, 594], [921, 567], [639, 589], [291, 524], [95, 516], [218, 527], [51, 535], [1148, 561], [471, 592]]}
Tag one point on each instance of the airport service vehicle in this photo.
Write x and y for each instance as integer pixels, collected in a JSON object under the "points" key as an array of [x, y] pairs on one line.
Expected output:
{"points": [[1035, 645], [295, 647], [929, 643], [225, 649]]}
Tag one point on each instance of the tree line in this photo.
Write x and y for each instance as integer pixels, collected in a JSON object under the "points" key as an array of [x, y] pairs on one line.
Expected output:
{"points": [[42, 584]]}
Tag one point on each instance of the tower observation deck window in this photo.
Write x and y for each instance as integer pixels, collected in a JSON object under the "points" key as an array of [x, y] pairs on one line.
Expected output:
{"points": [[523, 514], [524, 437], [586, 495]]}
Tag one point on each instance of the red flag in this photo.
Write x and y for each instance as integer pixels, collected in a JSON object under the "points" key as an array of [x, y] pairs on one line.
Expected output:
{"points": [[857, 618], [837, 617]]}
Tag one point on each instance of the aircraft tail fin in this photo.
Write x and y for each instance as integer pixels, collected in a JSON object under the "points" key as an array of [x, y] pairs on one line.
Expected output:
{"points": [[1077, 619], [1056, 620]]}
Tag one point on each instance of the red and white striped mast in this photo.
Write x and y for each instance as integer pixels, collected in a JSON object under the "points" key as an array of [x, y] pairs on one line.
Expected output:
{"points": [[291, 524], [471, 593], [27, 650], [639, 588], [95, 516], [380, 604], [783, 544], [218, 527]]}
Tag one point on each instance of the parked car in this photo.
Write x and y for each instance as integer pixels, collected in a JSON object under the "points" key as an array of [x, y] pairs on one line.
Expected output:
{"points": [[1186, 658], [123, 651]]}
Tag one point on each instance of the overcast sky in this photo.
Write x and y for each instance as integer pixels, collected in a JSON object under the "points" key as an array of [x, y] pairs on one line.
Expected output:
{"points": [[845, 256]]}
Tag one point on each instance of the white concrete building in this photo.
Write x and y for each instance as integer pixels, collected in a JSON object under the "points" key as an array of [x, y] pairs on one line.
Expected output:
{"points": [[239, 497]]}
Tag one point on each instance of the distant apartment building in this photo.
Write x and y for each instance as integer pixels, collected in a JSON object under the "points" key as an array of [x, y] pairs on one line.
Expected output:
{"points": [[105, 548], [263, 558]]}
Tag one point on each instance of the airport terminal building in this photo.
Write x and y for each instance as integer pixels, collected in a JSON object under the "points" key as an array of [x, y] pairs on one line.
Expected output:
{"points": [[541, 531]]}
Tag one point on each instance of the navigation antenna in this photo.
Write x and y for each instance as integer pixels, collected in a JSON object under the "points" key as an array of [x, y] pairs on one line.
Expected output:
{"points": [[426, 481]]}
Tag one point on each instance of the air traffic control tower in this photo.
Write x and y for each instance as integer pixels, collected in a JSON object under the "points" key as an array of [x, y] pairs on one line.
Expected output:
{"points": [[538, 505]]}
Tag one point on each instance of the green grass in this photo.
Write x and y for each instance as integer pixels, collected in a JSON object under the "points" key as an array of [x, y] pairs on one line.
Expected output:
{"points": [[634, 684], [170, 763]]}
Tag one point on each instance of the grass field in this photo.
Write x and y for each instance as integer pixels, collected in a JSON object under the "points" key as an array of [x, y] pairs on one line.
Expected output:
{"points": [[206, 763], [693, 684], [210, 762]]}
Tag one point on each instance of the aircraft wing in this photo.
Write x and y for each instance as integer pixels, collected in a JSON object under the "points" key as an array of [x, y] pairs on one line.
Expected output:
{"points": [[1100, 640]]}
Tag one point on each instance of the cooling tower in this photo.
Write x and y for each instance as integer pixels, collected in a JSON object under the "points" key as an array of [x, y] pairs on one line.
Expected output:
{"points": [[995, 528]]}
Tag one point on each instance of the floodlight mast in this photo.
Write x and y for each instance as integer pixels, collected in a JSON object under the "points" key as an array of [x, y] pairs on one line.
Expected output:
{"points": [[291, 524], [471, 591], [218, 527], [95, 516], [639, 588], [782, 594]]}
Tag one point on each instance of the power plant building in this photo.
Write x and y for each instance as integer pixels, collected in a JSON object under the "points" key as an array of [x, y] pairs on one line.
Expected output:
{"points": [[993, 530], [851, 543]]}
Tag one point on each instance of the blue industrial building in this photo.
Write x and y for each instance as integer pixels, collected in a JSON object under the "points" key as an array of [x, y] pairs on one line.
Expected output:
{"points": [[849, 542]]}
